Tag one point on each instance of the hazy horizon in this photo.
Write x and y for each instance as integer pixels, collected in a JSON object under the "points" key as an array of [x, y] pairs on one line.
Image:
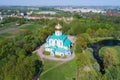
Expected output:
{"points": [[60, 3]]}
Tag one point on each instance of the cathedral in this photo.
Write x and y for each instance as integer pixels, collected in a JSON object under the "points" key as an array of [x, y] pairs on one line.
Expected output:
{"points": [[58, 43]]}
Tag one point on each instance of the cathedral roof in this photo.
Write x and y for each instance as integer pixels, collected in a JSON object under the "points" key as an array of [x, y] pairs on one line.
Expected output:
{"points": [[67, 42], [63, 37]]}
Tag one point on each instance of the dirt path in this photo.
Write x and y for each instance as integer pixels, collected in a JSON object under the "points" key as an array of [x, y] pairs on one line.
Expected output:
{"points": [[52, 68]]}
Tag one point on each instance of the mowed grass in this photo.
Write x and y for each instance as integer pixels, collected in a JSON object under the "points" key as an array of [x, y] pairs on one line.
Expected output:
{"points": [[32, 27], [8, 25], [49, 64], [5, 35], [65, 71]]}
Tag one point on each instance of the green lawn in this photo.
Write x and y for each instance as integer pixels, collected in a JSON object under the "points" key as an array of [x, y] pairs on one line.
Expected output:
{"points": [[65, 71], [4, 35], [8, 25], [32, 27], [49, 64]]}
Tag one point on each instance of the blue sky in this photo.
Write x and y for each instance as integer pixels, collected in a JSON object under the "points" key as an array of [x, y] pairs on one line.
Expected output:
{"points": [[60, 2]]}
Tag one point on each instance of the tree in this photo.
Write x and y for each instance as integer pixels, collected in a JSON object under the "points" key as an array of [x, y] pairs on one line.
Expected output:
{"points": [[110, 58], [91, 32], [21, 68], [45, 32], [112, 73], [80, 44]]}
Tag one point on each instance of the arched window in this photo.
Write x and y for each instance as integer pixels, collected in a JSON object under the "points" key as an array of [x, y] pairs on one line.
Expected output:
{"points": [[58, 43], [55, 42], [61, 44], [51, 41]]}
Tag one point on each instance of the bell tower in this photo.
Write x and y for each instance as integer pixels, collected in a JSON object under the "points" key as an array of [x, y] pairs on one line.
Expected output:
{"points": [[58, 30]]}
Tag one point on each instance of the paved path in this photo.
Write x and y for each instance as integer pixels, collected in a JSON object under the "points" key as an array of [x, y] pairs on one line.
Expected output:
{"points": [[42, 56]]}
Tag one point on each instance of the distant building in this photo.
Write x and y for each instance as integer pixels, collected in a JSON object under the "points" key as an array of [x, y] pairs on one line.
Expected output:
{"points": [[46, 12], [2, 17], [112, 14], [82, 10], [58, 43]]}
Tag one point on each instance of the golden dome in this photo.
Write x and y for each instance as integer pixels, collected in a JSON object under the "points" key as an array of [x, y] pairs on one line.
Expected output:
{"points": [[58, 27]]}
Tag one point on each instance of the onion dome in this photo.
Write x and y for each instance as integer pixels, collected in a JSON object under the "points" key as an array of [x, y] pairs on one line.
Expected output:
{"points": [[58, 27]]}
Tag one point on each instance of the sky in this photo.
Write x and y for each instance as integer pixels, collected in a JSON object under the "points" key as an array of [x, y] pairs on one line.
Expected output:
{"points": [[60, 2]]}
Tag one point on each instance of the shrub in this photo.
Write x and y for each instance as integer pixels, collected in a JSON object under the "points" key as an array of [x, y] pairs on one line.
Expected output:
{"points": [[57, 56], [46, 53]]}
